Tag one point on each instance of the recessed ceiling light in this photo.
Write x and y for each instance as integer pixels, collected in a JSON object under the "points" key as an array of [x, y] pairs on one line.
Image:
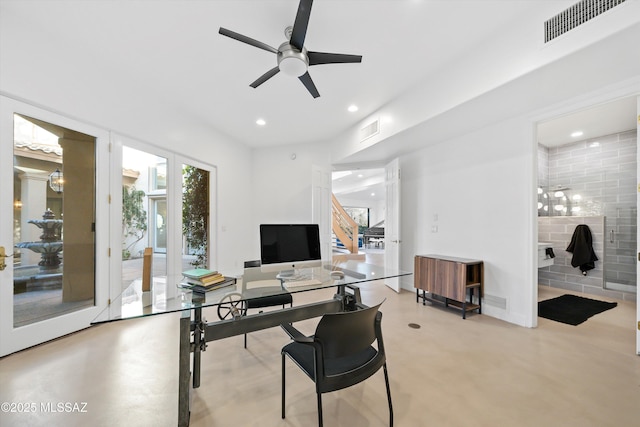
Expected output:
{"points": [[360, 175], [261, 122], [577, 134], [352, 108], [373, 194]]}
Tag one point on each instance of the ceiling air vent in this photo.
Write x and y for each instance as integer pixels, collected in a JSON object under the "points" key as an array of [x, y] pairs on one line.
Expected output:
{"points": [[369, 130], [576, 15]]}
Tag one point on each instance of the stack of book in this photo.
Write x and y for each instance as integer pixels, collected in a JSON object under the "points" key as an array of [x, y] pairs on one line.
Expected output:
{"points": [[201, 279]]}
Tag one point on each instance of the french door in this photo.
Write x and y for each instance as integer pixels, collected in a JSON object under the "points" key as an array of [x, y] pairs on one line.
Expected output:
{"points": [[392, 222], [167, 207], [54, 224], [638, 229], [78, 209]]}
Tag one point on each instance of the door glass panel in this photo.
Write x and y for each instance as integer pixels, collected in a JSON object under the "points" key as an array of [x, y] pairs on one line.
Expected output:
{"points": [[195, 217], [54, 220], [621, 213], [144, 215], [160, 225]]}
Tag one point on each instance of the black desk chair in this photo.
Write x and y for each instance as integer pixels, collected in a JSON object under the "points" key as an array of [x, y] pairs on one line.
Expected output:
{"points": [[264, 301], [340, 353]]}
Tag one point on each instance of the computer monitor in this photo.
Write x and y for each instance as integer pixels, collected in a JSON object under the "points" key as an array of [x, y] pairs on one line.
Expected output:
{"points": [[286, 247]]}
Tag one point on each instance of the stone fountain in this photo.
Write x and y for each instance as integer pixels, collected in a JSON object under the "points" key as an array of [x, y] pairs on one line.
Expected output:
{"points": [[50, 244]]}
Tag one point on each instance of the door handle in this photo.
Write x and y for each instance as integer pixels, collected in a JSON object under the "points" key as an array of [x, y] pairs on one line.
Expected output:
{"points": [[3, 255]]}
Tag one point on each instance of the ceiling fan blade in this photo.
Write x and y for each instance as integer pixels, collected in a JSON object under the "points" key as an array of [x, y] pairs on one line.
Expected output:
{"points": [[266, 76], [318, 58], [300, 25], [247, 40], [308, 83]]}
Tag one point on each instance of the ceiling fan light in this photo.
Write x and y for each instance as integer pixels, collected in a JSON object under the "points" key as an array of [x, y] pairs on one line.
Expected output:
{"points": [[293, 66], [292, 61]]}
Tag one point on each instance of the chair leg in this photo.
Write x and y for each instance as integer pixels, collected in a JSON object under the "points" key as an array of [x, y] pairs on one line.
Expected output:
{"points": [[319, 409], [386, 381], [245, 340], [283, 386]]}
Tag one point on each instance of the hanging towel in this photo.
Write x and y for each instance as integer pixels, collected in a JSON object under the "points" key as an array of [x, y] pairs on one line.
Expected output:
{"points": [[582, 248]]}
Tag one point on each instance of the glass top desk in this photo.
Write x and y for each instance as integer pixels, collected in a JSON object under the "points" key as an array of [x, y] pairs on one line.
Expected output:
{"points": [[231, 302]]}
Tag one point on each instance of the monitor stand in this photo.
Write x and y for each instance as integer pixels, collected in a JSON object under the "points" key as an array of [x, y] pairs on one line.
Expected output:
{"points": [[286, 274]]}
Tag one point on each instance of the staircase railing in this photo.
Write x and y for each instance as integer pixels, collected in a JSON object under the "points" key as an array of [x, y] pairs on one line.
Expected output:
{"points": [[344, 227]]}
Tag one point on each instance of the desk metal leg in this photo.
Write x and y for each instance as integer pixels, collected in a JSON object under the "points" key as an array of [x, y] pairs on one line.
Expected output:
{"points": [[198, 342], [184, 372], [347, 298]]}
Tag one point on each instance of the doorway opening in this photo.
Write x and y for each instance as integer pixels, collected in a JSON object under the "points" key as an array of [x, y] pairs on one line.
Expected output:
{"points": [[587, 169], [361, 195]]}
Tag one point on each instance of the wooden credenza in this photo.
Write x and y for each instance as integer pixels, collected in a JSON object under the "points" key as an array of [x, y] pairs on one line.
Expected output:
{"points": [[450, 281]]}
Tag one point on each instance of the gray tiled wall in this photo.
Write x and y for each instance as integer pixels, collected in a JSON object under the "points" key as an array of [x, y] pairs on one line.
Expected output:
{"points": [[558, 230], [602, 171], [543, 167]]}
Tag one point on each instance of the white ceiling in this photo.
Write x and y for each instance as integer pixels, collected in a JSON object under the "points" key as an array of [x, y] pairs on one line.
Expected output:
{"points": [[594, 122], [359, 184], [170, 52], [172, 49]]}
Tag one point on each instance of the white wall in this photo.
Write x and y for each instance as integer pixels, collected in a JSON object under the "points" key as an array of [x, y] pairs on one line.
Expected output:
{"points": [[478, 188], [281, 189], [474, 166]]}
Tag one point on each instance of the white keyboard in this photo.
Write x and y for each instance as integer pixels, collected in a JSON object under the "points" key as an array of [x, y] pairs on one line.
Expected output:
{"points": [[289, 284]]}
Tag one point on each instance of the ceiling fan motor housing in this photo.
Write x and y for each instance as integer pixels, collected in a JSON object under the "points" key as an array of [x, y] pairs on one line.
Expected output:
{"points": [[292, 61]]}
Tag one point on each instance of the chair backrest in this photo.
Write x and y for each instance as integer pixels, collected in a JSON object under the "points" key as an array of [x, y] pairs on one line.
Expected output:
{"points": [[346, 333]]}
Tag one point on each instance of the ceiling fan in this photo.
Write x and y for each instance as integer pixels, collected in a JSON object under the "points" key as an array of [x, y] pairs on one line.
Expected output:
{"points": [[293, 58]]}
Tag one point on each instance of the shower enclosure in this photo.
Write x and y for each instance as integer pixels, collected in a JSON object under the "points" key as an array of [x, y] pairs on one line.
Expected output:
{"points": [[596, 178]]}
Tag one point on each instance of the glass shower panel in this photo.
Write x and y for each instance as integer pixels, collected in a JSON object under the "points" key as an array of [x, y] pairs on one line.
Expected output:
{"points": [[621, 228]]}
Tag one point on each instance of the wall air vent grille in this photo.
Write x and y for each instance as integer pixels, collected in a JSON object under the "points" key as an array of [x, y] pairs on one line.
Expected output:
{"points": [[576, 15], [369, 130], [495, 301]]}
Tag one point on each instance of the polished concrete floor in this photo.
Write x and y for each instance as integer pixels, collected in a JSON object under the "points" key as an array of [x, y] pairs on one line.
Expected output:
{"points": [[449, 372]]}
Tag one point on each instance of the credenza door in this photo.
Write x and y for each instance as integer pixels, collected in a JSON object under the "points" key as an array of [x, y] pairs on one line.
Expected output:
{"points": [[448, 280], [441, 277]]}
